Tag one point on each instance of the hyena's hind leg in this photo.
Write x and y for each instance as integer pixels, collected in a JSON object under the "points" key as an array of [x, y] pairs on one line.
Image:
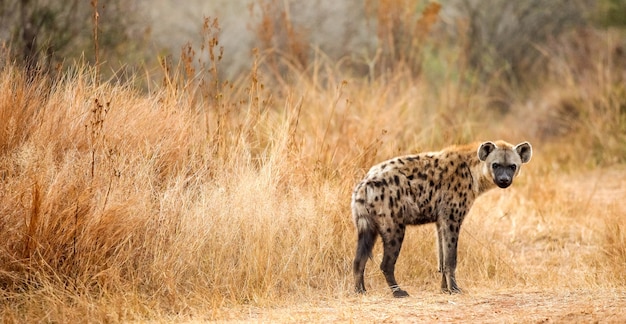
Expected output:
{"points": [[392, 242], [367, 237]]}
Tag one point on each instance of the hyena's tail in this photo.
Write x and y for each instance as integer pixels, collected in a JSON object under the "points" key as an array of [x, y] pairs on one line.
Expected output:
{"points": [[366, 230], [367, 238], [367, 235]]}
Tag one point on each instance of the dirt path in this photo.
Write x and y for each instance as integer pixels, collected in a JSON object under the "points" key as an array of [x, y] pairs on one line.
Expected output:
{"points": [[605, 306]]}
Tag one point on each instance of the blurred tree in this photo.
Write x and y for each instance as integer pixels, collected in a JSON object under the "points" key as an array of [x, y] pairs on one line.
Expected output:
{"points": [[504, 36], [43, 33]]}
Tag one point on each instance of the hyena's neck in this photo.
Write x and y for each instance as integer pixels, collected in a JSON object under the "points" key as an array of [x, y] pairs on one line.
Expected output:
{"points": [[481, 181]]}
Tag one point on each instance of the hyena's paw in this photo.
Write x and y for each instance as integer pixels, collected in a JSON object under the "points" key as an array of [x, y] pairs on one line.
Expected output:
{"points": [[454, 290], [399, 293]]}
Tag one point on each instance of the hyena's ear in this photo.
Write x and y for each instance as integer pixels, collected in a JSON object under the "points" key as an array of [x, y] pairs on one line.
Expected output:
{"points": [[485, 149], [525, 151]]}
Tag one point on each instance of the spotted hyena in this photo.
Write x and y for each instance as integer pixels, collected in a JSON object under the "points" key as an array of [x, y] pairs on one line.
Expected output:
{"points": [[436, 187]]}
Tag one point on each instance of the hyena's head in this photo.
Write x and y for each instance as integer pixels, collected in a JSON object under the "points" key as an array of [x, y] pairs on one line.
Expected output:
{"points": [[502, 161]]}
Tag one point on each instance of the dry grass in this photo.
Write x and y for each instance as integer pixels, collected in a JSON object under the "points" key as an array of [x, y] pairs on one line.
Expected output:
{"points": [[206, 199]]}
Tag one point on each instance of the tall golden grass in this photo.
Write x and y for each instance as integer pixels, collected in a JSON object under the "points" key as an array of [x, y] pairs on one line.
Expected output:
{"points": [[202, 194]]}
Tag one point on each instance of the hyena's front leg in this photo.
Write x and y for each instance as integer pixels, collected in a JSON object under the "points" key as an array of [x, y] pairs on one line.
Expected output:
{"points": [[447, 236], [444, 284]]}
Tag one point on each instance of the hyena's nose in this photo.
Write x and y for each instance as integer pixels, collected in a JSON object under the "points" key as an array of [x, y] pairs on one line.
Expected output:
{"points": [[503, 181]]}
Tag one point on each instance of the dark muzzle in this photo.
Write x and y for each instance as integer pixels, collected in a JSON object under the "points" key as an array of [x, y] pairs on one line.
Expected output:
{"points": [[503, 182]]}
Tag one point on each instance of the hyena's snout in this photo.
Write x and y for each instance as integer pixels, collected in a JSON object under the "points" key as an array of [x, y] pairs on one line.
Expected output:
{"points": [[503, 176], [503, 181]]}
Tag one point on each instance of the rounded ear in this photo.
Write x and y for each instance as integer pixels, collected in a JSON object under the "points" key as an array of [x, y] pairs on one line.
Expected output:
{"points": [[485, 149], [525, 151]]}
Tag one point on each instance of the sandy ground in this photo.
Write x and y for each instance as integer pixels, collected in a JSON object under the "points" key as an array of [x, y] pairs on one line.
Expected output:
{"points": [[605, 306]]}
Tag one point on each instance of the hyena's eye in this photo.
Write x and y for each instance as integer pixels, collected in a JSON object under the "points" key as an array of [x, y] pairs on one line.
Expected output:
{"points": [[495, 166], [513, 167]]}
